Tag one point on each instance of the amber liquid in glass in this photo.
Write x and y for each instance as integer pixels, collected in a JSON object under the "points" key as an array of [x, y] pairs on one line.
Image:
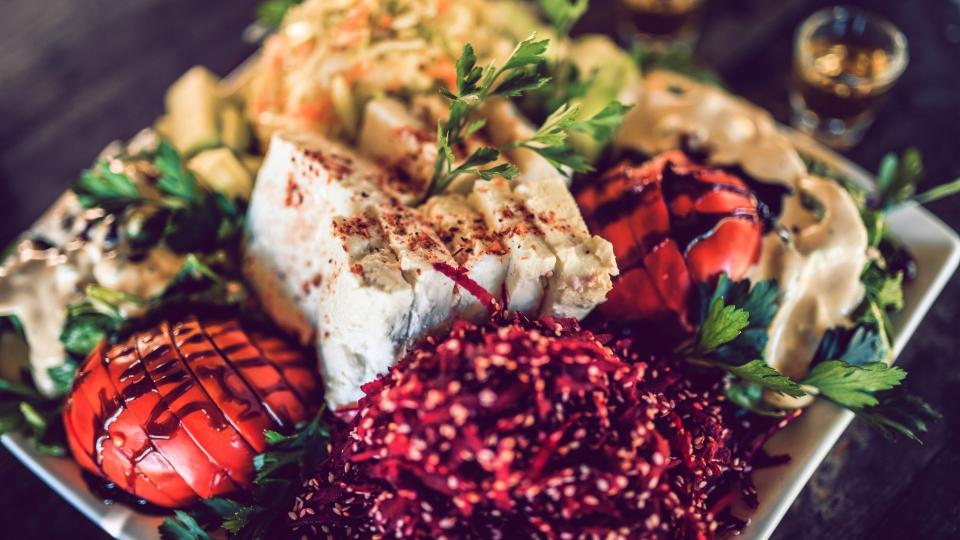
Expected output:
{"points": [[841, 80], [661, 18]]}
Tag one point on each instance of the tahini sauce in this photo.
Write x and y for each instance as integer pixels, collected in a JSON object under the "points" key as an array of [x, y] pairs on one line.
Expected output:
{"points": [[816, 262], [39, 280]]}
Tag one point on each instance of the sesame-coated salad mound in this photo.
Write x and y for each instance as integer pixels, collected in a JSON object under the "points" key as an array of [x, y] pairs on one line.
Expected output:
{"points": [[531, 429]]}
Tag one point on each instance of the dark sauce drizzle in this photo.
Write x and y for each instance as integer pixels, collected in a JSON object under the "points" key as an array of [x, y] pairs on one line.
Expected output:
{"points": [[280, 416], [163, 421], [688, 230], [252, 405], [111, 493], [110, 409]]}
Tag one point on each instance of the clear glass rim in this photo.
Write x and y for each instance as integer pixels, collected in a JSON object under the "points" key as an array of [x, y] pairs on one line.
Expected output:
{"points": [[900, 53], [692, 3]]}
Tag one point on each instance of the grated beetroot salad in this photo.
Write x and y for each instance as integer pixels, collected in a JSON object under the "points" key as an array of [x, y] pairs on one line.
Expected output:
{"points": [[525, 428]]}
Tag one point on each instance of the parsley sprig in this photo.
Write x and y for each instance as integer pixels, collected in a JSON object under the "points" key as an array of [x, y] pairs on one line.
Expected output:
{"points": [[281, 470], [563, 14], [523, 71], [174, 209], [898, 178], [476, 84], [24, 410], [734, 316], [853, 386], [848, 367]]}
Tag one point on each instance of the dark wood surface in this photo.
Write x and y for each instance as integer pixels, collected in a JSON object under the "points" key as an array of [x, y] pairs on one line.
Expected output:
{"points": [[75, 74]]}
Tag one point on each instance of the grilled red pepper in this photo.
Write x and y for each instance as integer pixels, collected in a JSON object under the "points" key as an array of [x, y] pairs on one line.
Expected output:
{"points": [[673, 223], [177, 413]]}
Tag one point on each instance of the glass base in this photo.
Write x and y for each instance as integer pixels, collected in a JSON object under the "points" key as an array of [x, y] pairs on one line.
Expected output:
{"points": [[837, 133], [659, 32]]}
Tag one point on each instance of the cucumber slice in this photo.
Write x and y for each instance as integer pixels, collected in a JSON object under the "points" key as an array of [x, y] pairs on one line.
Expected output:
{"points": [[234, 131], [220, 170], [252, 162], [194, 110], [344, 105], [616, 76], [162, 127]]}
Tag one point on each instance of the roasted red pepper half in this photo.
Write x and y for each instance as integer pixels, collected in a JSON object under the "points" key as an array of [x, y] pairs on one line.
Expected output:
{"points": [[673, 223], [178, 412]]}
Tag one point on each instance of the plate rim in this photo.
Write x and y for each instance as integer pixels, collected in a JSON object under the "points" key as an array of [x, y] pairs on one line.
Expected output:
{"points": [[771, 512]]}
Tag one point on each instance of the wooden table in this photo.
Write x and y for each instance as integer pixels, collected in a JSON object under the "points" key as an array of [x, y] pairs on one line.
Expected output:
{"points": [[76, 74]]}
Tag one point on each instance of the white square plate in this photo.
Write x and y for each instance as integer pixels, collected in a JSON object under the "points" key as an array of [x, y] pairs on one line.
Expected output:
{"points": [[934, 245], [936, 248]]}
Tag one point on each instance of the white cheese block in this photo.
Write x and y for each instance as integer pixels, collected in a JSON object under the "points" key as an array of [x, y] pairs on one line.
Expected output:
{"points": [[418, 248], [337, 258], [303, 184], [530, 260], [399, 141], [585, 263], [473, 246], [365, 310], [338, 287]]}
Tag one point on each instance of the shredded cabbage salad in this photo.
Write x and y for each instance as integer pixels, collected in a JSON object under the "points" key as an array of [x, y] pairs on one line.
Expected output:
{"points": [[330, 56]]}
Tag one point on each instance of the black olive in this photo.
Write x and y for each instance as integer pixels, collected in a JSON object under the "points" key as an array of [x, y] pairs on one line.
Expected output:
{"points": [[67, 222], [143, 227], [112, 237], [41, 244], [899, 259]]}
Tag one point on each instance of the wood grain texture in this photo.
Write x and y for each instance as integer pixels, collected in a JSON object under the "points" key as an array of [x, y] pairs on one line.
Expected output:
{"points": [[75, 74]]}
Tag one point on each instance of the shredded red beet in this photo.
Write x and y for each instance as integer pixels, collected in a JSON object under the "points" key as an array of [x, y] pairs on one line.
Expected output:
{"points": [[534, 429], [461, 278]]}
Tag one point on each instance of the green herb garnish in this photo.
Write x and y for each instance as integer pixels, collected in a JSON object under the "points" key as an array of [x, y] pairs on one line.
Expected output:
{"points": [[476, 84], [270, 13], [677, 58], [897, 412], [100, 186], [734, 317], [25, 410], [563, 14], [759, 373], [106, 314], [722, 325], [853, 386], [176, 210], [848, 367], [522, 71], [281, 470], [182, 526], [898, 177]]}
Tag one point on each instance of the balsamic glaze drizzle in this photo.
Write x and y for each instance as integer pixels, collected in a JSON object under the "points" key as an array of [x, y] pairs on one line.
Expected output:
{"points": [[685, 230], [159, 363]]}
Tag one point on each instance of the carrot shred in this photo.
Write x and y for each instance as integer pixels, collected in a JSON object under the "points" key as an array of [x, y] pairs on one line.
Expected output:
{"points": [[444, 71]]}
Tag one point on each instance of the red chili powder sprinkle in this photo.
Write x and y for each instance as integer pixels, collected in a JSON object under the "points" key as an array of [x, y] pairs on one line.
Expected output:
{"points": [[523, 428]]}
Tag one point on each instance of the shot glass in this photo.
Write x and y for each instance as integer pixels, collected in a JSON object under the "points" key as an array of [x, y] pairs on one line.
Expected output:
{"points": [[845, 61], [662, 23]]}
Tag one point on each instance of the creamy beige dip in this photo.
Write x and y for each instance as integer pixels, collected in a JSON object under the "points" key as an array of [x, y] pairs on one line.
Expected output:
{"points": [[669, 106], [816, 260], [817, 264], [40, 278]]}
